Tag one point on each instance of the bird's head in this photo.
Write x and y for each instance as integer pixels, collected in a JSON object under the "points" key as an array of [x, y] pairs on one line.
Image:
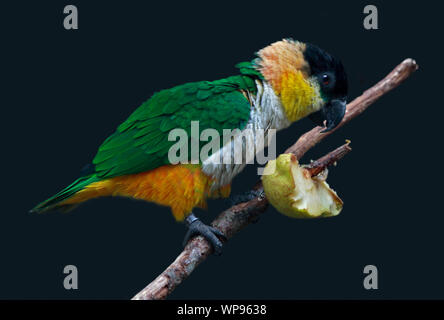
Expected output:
{"points": [[307, 80]]}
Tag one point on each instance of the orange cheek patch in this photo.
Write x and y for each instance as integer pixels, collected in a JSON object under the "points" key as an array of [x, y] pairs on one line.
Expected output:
{"points": [[282, 57]]}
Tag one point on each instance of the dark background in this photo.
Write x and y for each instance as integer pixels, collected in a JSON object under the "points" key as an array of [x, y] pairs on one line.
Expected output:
{"points": [[64, 92]]}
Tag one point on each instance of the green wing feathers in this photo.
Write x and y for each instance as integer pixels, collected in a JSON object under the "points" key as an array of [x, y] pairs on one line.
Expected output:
{"points": [[141, 142], [66, 193]]}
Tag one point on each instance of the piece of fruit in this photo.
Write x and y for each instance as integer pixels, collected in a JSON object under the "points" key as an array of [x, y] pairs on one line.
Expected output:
{"points": [[293, 192]]}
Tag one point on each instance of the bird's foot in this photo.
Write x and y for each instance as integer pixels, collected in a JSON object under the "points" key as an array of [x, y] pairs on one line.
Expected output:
{"points": [[211, 234], [245, 197]]}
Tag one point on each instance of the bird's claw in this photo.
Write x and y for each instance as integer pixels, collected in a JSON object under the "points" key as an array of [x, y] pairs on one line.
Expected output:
{"points": [[211, 234]]}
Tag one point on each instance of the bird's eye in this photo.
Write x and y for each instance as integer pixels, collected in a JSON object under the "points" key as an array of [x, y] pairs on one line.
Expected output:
{"points": [[325, 79]]}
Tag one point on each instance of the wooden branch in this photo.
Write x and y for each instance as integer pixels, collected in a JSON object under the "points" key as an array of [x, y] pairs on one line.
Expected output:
{"points": [[316, 167], [237, 217]]}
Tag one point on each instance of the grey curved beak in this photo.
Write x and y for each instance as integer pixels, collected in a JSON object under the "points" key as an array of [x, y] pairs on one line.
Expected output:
{"points": [[332, 113]]}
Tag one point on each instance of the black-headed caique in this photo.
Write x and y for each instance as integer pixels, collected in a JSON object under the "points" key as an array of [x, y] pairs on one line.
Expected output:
{"points": [[287, 81]]}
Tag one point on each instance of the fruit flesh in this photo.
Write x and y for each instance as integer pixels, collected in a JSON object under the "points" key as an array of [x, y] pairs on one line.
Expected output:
{"points": [[293, 192]]}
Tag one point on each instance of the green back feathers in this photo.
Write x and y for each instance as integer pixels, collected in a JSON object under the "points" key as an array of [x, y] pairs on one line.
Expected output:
{"points": [[141, 142]]}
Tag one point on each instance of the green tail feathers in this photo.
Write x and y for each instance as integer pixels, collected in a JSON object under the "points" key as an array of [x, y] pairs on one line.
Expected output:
{"points": [[63, 195]]}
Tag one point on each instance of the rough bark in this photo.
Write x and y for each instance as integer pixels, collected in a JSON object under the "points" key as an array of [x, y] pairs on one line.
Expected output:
{"points": [[237, 217]]}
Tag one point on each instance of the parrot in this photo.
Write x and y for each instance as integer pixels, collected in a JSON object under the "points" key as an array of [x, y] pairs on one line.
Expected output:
{"points": [[286, 81]]}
